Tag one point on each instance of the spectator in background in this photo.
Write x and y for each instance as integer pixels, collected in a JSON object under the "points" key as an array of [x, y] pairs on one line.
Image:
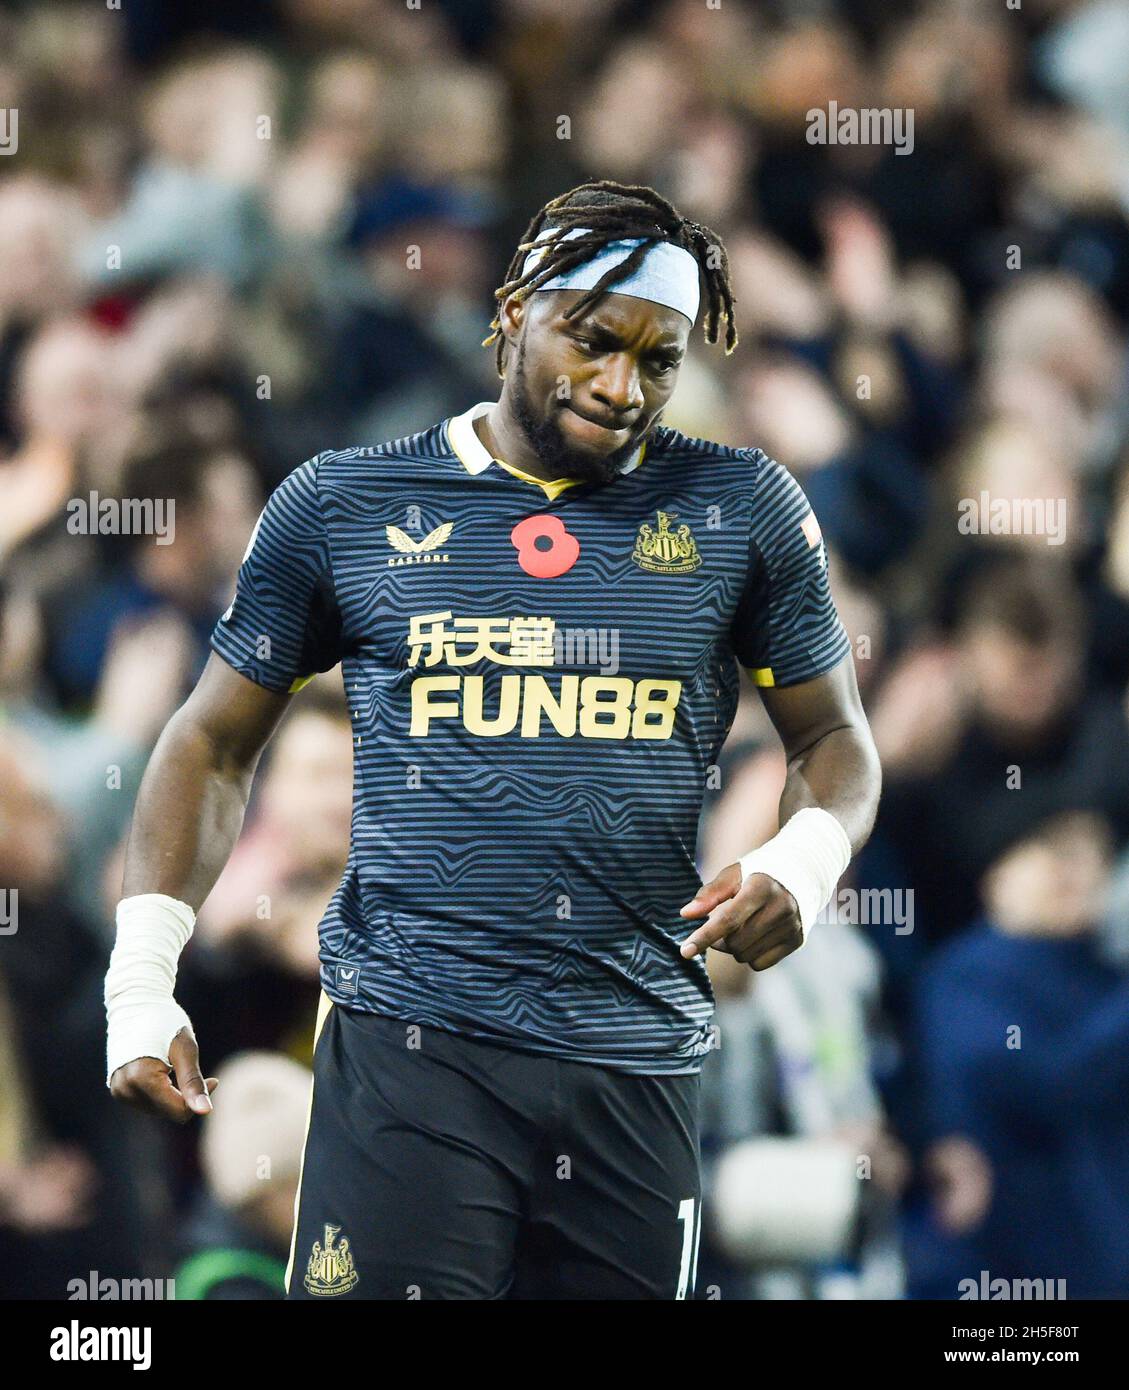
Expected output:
{"points": [[68, 1197], [1008, 736], [404, 332], [45, 1189], [858, 397], [193, 202], [1024, 1035], [238, 1234], [66, 399], [40, 223], [208, 501], [91, 768]]}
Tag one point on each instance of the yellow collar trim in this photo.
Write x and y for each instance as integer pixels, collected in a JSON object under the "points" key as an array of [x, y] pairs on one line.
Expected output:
{"points": [[552, 488]]}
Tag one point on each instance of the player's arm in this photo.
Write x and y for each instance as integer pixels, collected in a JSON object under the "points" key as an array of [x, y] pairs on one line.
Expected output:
{"points": [[832, 761], [192, 797], [282, 625], [787, 634], [761, 907], [187, 819]]}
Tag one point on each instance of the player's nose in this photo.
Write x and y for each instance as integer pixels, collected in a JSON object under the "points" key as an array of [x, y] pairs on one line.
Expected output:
{"points": [[617, 386]]}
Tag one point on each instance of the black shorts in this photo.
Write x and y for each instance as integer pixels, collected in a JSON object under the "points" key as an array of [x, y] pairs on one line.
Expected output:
{"points": [[440, 1167]]}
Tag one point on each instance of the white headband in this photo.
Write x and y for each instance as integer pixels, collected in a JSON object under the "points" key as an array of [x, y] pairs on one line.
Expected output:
{"points": [[668, 274]]}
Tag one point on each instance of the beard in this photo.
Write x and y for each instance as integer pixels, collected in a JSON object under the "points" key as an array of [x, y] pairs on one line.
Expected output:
{"points": [[548, 442]]}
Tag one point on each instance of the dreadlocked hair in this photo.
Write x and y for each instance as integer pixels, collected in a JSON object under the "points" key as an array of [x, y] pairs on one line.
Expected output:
{"points": [[615, 212]]}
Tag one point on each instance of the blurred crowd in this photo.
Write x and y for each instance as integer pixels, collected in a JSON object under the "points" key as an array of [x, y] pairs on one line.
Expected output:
{"points": [[205, 218]]}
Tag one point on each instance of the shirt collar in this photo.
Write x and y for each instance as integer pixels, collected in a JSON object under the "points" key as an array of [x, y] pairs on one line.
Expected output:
{"points": [[476, 458]]}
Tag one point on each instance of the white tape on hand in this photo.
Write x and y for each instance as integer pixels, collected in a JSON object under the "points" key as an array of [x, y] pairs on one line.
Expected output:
{"points": [[807, 857], [142, 1017]]}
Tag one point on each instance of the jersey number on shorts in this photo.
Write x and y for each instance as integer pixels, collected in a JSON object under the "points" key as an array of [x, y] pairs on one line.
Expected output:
{"points": [[689, 1213]]}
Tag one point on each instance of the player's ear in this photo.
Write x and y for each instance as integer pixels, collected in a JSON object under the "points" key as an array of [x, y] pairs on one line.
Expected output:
{"points": [[512, 315]]}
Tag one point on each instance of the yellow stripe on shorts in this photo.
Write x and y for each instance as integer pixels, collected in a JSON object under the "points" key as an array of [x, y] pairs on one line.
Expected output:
{"points": [[325, 1003]]}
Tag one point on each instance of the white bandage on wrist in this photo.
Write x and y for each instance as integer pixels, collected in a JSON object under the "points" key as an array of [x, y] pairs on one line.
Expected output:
{"points": [[142, 1017], [807, 857]]}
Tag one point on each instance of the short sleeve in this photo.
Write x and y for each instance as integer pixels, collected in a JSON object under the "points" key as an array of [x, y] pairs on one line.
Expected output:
{"points": [[785, 628], [283, 625]]}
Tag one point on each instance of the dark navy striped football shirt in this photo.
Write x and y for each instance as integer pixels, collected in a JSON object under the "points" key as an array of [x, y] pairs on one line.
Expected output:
{"points": [[540, 678]]}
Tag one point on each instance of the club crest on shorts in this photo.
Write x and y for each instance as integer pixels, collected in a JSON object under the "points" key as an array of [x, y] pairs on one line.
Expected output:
{"points": [[330, 1269], [667, 550]]}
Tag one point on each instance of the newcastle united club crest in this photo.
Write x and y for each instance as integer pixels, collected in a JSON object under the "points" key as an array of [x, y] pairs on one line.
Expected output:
{"points": [[330, 1268], [669, 550]]}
